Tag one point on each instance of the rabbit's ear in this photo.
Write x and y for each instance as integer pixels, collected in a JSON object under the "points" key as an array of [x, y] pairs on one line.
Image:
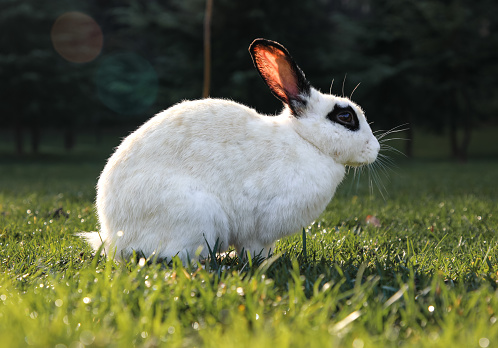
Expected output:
{"points": [[281, 73]]}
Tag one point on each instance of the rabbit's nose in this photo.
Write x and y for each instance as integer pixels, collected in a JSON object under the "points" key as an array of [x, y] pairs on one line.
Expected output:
{"points": [[372, 149], [375, 145]]}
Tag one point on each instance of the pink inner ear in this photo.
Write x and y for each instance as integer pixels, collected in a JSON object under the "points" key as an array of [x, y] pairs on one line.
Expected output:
{"points": [[279, 73]]}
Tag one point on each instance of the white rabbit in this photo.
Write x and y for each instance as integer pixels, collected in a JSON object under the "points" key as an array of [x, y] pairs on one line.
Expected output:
{"points": [[214, 170]]}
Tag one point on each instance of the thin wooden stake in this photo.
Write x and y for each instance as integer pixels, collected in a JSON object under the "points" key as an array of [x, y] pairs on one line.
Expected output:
{"points": [[305, 256], [207, 48]]}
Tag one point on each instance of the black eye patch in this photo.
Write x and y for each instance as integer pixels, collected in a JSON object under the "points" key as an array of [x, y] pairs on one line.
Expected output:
{"points": [[345, 116]]}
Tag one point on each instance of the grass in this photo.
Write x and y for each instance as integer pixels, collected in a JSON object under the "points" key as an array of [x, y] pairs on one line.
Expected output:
{"points": [[426, 277]]}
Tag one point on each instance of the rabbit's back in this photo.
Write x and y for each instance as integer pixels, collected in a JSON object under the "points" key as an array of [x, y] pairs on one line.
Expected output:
{"points": [[214, 170], [212, 140]]}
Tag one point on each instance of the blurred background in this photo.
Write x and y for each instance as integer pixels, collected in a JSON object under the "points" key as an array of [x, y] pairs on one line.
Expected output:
{"points": [[78, 72]]}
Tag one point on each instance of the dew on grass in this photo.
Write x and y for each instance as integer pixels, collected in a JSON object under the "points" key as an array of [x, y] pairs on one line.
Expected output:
{"points": [[358, 343], [240, 291], [431, 309], [87, 337], [87, 300], [433, 335], [29, 340], [120, 233], [171, 330], [59, 302], [483, 342]]}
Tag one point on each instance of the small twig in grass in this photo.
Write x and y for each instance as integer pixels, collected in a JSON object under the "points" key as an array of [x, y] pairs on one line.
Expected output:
{"points": [[305, 257]]}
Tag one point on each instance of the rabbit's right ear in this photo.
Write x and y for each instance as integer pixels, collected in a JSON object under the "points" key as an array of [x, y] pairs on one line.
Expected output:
{"points": [[281, 73]]}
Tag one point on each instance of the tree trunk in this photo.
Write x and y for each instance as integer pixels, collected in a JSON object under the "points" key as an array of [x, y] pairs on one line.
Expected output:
{"points": [[69, 139], [464, 152], [18, 138], [467, 127], [207, 48], [453, 140], [98, 136], [35, 136], [409, 143], [460, 149], [409, 135]]}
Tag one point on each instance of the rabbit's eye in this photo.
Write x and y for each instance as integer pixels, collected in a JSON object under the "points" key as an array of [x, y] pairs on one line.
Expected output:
{"points": [[344, 116]]}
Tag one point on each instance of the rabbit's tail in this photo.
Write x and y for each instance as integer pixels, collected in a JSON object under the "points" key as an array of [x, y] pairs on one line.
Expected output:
{"points": [[93, 238]]}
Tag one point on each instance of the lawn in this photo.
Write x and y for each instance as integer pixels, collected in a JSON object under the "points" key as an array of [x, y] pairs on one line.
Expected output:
{"points": [[415, 267]]}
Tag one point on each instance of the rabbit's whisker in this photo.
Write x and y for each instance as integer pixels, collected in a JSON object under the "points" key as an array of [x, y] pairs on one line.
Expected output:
{"points": [[396, 128], [391, 131], [351, 95], [390, 148], [375, 178], [343, 82], [390, 139]]}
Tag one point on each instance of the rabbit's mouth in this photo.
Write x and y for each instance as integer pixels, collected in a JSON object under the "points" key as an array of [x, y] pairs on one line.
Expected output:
{"points": [[355, 164]]}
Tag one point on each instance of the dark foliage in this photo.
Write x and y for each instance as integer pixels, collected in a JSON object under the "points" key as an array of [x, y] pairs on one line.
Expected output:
{"points": [[426, 63]]}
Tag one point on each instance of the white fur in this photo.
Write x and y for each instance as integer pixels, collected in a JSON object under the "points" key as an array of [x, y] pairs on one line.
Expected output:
{"points": [[215, 170]]}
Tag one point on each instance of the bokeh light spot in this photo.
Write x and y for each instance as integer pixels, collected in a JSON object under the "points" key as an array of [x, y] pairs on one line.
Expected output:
{"points": [[126, 83], [484, 342], [77, 37]]}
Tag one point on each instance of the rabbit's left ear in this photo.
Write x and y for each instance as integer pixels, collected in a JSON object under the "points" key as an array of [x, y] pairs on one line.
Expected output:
{"points": [[281, 73]]}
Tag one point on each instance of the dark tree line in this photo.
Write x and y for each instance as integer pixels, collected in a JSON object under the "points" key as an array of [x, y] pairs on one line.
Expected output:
{"points": [[427, 63]]}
